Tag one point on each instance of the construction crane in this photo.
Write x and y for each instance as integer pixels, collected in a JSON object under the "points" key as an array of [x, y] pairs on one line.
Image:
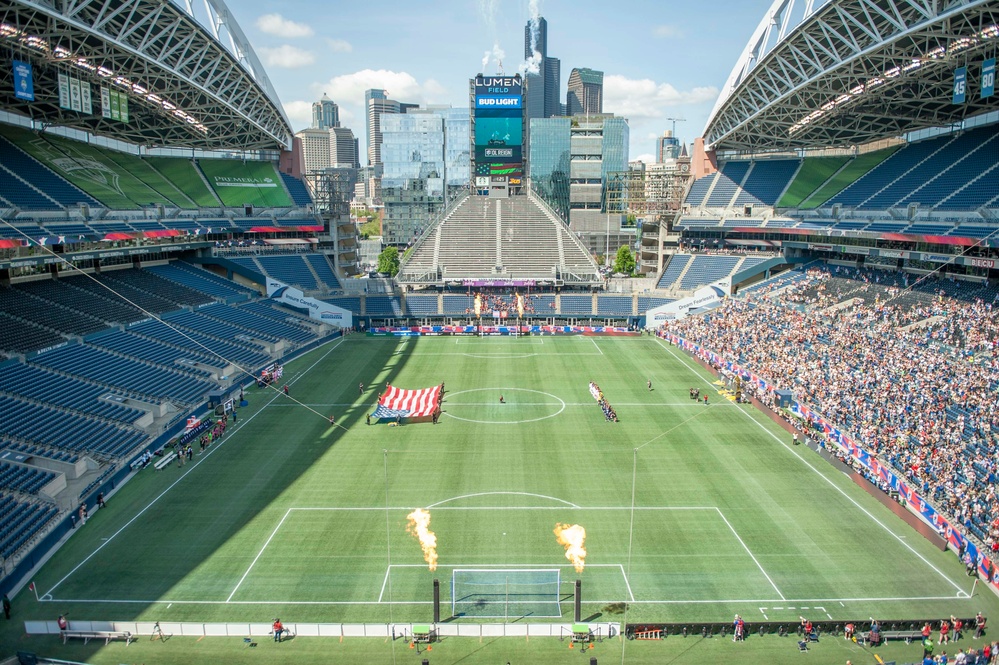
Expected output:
{"points": [[675, 120]]}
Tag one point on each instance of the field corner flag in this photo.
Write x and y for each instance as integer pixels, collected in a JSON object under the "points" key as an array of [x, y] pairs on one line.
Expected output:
{"points": [[33, 588]]}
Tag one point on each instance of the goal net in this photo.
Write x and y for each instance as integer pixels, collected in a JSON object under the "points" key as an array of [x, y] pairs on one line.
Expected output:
{"points": [[502, 593]]}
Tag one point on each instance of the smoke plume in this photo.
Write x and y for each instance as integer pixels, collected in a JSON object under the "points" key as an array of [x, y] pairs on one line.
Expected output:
{"points": [[572, 539], [419, 526], [533, 64]]}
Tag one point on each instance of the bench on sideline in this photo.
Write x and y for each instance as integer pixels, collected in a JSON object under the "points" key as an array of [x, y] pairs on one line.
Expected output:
{"points": [[106, 635], [159, 465]]}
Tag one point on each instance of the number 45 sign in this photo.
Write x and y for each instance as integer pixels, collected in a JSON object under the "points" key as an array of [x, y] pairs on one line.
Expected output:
{"points": [[960, 84]]}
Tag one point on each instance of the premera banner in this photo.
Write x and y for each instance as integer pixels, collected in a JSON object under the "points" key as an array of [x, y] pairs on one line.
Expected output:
{"points": [[318, 310], [679, 309]]}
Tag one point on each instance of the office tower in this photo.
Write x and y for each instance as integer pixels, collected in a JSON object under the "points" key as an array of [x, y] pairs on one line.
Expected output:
{"points": [[585, 95], [325, 114]]}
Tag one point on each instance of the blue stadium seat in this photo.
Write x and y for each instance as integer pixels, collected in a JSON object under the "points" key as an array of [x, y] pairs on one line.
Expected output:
{"points": [[299, 192], [673, 269]]}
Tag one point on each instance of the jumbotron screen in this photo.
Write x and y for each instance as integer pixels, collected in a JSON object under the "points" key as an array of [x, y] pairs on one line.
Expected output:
{"points": [[499, 126]]}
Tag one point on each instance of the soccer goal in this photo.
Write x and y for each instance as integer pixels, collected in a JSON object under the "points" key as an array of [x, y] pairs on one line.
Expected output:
{"points": [[503, 593]]}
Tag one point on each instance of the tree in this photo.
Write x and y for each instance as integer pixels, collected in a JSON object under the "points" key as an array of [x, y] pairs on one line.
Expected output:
{"points": [[625, 261], [388, 261]]}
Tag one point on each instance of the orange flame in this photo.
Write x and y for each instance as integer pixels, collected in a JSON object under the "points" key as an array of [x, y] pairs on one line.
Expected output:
{"points": [[419, 526], [572, 538]]}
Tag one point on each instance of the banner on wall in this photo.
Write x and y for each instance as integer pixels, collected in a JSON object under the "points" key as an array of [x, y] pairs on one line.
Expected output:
{"points": [[708, 296], [24, 85], [318, 310]]}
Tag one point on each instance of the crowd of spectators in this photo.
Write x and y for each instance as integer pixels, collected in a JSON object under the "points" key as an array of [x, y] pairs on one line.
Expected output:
{"points": [[504, 301], [911, 375]]}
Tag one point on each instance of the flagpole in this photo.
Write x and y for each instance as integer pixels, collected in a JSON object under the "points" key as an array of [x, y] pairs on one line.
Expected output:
{"points": [[35, 589]]}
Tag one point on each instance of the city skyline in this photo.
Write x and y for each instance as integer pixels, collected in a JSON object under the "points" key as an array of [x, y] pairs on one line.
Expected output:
{"points": [[655, 57]]}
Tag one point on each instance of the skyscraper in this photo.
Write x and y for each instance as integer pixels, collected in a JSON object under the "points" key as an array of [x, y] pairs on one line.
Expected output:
{"points": [[667, 147], [377, 103], [343, 148], [586, 92], [543, 86], [325, 114]]}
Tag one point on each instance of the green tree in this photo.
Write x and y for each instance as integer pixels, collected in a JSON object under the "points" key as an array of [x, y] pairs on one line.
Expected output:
{"points": [[625, 261], [388, 261]]}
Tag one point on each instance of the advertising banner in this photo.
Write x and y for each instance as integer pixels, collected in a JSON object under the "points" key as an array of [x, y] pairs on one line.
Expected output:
{"points": [[24, 85], [318, 310], [679, 309]]}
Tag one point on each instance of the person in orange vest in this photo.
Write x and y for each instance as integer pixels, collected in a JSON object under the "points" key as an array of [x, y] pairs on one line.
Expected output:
{"points": [[278, 628]]}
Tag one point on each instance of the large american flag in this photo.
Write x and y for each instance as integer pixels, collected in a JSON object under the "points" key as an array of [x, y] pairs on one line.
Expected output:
{"points": [[407, 403]]}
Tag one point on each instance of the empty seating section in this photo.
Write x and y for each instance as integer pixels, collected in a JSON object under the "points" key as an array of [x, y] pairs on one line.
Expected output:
{"points": [[16, 193], [925, 172], [199, 279], [352, 304], [219, 329], [297, 189], [35, 450], [185, 174], [238, 183], [290, 269], [58, 428], [767, 181], [888, 171], [575, 258], [248, 262], [17, 478], [18, 303], [542, 305], [529, 240], [44, 180], [238, 352], [144, 280], [886, 227], [729, 177], [813, 172], [954, 167], [383, 306], [984, 190], [645, 303], [468, 239], [272, 309], [673, 270], [323, 269], [698, 190], [20, 521], [257, 325], [144, 172], [459, 305], [614, 305], [89, 362], [140, 348], [106, 286], [103, 304], [706, 269], [752, 262], [421, 305], [19, 337], [67, 392], [576, 304], [855, 169], [930, 229], [972, 231]]}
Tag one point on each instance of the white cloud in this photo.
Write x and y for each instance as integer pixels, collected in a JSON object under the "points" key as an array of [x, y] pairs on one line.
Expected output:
{"points": [[667, 31], [403, 86], [287, 56], [644, 98], [339, 45], [275, 24], [647, 157], [300, 113]]}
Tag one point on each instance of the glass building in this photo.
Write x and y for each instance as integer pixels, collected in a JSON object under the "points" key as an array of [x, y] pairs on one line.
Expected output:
{"points": [[425, 160], [570, 166]]}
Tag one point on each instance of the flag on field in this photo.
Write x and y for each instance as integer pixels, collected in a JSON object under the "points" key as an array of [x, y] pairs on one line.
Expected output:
{"points": [[32, 586], [398, 402]]}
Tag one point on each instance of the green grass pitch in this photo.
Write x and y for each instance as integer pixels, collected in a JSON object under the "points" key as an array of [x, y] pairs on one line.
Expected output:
{"points": [[692, 512]]}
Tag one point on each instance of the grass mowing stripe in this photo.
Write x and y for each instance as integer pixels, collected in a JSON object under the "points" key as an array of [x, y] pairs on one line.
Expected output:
{"points": [[829, 481], [746, 547], [184, 475]]}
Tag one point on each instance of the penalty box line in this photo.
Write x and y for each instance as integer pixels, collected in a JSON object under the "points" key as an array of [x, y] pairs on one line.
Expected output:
{"points": [[620, 567]]}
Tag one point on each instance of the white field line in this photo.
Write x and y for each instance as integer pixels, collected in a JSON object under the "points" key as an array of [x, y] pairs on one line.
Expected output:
{"points": [[384, 582], [437, 506], [746, 547], [821, 475], [477, 494], [597, 346], [203, 457], [722, 601], [254, 562], [626, 582]]}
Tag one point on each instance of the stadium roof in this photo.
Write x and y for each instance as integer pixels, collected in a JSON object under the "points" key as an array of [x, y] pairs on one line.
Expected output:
{"points": [[191, 77], [821, 73]]}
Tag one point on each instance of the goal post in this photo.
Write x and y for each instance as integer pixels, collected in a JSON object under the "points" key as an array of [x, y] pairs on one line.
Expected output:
{"points": [[507, 592]]}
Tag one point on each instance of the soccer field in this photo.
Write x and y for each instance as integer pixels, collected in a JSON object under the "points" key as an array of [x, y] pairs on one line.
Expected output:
{"points": [[692, 512]]}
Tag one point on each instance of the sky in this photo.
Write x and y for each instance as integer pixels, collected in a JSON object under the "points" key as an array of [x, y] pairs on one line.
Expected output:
{"points": [[661, 59]]}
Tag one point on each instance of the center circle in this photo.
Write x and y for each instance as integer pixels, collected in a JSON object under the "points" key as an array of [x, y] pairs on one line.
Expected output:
{"points": [[502, 391]]}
